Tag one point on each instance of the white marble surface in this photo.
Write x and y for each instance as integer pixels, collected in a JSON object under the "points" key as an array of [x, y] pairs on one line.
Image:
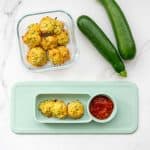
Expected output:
{"points": [[89, 66]]}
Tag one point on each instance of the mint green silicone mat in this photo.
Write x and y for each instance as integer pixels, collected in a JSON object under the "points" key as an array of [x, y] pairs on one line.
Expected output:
{"points": [[23, 101]]}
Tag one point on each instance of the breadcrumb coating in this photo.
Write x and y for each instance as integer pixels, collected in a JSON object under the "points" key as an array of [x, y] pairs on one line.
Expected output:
{"points": [[75, 109], [37, 56], [32, 39], [47, 25], [63, 38], [46, 107], [59, 55], [58, 27], [59, 109], [49, 42]]}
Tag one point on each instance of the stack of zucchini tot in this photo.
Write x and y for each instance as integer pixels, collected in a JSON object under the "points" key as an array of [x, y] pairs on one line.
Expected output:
{"points": [[126, 46]]}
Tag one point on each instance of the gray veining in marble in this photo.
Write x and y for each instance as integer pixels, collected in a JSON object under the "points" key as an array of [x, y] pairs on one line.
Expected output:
{"points": [[8, 10]]}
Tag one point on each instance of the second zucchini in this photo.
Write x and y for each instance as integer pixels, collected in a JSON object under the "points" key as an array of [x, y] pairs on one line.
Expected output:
{"points": [[124, 37]]}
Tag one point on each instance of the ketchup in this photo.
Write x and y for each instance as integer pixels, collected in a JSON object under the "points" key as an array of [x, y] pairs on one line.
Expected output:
{"points": [[101, 107]]}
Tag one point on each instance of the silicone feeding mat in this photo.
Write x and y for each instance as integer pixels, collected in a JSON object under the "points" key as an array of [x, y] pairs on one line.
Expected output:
{"points": [[23, 107]]}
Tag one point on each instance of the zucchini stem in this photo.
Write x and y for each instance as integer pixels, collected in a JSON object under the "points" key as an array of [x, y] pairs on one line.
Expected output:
{"points": [[123, 73]]}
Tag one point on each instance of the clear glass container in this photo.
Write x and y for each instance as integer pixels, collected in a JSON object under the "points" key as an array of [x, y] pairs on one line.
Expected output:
{"points": [[34, 18]]}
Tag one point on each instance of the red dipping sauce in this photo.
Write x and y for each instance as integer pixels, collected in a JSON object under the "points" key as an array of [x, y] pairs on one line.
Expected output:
{"points": [[101, 107]]}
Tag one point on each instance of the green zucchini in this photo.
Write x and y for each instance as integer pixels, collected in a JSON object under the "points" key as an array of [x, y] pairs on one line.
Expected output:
{"points": [[104, 46], [124, 38]]}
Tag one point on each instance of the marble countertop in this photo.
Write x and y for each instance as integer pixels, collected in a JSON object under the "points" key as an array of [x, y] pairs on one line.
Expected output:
{"points": [[97, 69]]}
